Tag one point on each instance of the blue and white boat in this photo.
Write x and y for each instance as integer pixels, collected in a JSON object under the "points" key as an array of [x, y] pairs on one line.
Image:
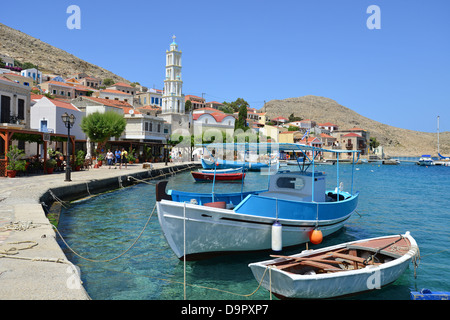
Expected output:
{"points": [[201, 224], [425, 160]]}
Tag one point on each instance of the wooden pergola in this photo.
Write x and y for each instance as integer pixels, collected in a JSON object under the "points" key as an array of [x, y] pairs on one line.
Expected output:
{"points": [[6, 133]]}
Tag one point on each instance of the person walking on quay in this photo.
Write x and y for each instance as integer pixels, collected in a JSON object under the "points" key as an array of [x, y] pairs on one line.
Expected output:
{"points": [[110, 158], [118, 155], [124, 158]]}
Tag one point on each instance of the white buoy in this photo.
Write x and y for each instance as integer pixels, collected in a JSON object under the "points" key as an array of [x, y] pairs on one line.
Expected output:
{"points": [[277, 241]]}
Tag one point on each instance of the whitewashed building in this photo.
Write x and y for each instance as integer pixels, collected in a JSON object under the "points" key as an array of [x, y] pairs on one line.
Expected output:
{"points": [[46, 117], [33, 73]]}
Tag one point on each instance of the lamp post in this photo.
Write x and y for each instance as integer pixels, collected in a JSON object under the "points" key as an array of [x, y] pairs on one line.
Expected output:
{"points": [[68, 122]]}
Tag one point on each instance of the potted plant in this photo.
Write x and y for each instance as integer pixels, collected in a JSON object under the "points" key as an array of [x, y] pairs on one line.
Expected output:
{"points": [[100, 159], [50, 165], [131, 158], [15, 162], [79, 160]]}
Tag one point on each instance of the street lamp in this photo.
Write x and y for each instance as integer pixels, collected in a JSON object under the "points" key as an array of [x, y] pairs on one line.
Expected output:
{"points": [[68, 122]]}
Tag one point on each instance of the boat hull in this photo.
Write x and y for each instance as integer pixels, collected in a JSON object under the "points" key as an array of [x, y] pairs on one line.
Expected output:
{"points": [[331, 285], [231, 170], [200, 176], [225, 164], [195, 230]]}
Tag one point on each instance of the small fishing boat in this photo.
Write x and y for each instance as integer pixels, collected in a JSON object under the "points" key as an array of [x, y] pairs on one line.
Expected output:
{"points": [[231, 170], [294, 203], [251, 166], [340, 270], [211, 176]]}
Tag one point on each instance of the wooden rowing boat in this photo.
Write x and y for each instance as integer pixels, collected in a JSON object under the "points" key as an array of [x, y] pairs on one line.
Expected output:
{"points": [[340, 270]]}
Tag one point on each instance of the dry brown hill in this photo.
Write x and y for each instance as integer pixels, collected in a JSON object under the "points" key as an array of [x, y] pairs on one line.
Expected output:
{"points": [[396, 141], [25, 48]]}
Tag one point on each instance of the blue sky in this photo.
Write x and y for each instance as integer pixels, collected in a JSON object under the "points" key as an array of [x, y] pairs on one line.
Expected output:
{"points": [[263, 50]]}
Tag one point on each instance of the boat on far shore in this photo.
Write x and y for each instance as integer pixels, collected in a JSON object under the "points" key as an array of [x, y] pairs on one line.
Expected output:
{"points": [[425, 160]]}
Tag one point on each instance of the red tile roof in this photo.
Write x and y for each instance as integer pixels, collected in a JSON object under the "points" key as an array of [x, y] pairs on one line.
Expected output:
{"points": [[65, 105], [218, 116], [310, 139], [327, 124], [110, 102], [351, 134], [115, 92], [121, 84]]}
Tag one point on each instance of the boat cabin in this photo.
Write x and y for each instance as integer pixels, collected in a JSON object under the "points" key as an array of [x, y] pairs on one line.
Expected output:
{"points": [[296, 186]]}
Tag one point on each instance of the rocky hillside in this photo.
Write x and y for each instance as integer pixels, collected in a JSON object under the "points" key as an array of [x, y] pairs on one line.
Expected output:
{"points": [[25, 48], [395, 141]]}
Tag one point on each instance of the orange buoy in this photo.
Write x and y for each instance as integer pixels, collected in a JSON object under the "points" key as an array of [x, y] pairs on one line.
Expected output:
{"points": [[316, 236]]}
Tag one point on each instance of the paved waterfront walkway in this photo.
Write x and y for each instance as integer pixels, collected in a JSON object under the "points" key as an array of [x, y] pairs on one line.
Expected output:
{"points": [[32, 265]]}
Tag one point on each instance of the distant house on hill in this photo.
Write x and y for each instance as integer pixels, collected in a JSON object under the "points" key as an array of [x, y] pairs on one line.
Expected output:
{"points": [[280, 120], [213, 104], [196, 102], [115, 95], [328, 126], [353, 139], [33, 73], [124, 87]]}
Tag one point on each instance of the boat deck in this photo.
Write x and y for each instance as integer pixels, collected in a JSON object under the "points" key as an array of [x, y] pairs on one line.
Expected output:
{"points": [[354, 256]]}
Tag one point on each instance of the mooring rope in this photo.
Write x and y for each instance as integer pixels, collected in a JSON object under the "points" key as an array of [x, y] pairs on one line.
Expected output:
{"points": [[120, 255], [57, 199], [140, 180], [196, 285]]}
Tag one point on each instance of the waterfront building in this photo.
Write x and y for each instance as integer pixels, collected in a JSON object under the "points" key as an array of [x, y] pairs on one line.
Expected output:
{"points": [[210, 119], [290, 137], [173, 99], [353, 139], [46, 117], [14, 104], [327, 140]]}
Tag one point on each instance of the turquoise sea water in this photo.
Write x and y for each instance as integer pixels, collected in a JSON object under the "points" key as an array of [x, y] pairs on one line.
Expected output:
{"points": [[393, 200]]}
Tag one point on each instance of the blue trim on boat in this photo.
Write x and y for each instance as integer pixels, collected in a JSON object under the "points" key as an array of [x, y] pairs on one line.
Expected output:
{"points": [[261, 206]]}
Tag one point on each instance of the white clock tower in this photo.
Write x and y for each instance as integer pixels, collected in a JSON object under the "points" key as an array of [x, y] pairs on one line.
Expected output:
{"points": [[173, 109]]}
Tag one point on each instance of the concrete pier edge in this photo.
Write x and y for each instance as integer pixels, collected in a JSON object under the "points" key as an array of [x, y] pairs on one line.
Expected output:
{"points": [[33, 274]]}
